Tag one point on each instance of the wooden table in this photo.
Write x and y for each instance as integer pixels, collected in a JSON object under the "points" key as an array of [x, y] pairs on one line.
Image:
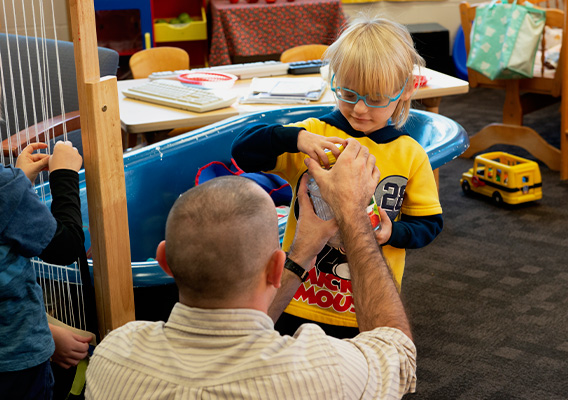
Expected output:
{"points": [[259, 29], [140, 117]]}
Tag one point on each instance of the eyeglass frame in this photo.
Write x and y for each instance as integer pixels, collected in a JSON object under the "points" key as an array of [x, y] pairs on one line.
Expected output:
{"points": [[364, 98]]}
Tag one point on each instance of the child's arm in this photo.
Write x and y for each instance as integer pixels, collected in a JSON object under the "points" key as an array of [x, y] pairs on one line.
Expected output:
{"points": [[258, 147], [68, 242], [412, 232], [420, 219]]}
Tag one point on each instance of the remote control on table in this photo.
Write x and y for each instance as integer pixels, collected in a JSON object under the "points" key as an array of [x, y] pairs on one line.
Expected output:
{"points": [[305, 67]]}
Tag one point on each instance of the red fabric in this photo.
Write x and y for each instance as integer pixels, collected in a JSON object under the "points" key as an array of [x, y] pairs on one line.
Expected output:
{"points": [[234, 169], [244, 29]]}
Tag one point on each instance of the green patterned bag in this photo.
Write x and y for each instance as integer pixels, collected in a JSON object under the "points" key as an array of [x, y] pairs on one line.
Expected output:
{"points": [[505, 39]]}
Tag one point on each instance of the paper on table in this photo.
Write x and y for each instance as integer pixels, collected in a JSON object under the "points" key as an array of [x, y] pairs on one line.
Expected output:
{"points": [[286, 86], [297, 87], [285, 90]]}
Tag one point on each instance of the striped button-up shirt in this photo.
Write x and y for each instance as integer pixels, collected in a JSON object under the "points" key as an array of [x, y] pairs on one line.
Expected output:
{"points": [[237, 354]]}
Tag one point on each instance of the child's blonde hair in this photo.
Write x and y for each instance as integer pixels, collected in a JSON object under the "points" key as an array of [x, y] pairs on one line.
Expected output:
{"points": [[376, 55]]}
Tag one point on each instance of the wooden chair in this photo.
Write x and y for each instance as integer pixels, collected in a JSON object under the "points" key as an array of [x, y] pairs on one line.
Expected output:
{"points": [[156, 59], [304, 53], [521, 97]]}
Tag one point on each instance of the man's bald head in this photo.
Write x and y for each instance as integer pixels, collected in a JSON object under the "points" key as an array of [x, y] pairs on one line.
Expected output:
{"points": [[219, 236]]}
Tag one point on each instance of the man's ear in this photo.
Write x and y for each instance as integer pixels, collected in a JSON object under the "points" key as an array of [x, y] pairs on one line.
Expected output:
{"points": [[275, 267], [161, 258]]}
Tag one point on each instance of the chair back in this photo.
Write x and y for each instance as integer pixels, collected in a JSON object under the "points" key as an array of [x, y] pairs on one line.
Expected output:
{"points": [[304, 53], [36, 73], [537, 84], [156, 59]]}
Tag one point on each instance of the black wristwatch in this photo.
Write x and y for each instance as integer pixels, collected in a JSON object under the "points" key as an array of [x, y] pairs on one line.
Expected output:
{"points": [[295, 268]]}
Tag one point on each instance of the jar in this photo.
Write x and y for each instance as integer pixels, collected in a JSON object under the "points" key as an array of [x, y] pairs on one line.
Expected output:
{"points": [[324, 211]]}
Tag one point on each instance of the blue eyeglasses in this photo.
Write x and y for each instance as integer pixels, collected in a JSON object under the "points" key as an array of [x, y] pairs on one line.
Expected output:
{"points": [[352, 97]]}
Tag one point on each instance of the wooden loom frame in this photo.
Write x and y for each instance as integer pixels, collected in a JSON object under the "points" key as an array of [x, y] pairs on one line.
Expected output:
{"points": [[104, 174]]}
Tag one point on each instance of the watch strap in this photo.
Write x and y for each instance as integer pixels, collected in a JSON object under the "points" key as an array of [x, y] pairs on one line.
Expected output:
{"points": [[295, 268]]}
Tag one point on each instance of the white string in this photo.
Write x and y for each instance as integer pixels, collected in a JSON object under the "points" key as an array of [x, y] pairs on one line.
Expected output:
{"points": [[6, 116], [10, 70], [30, 72], [46, 71], [59, 71], [69, 302], [83, 314], [55, 281], [24, 108]]}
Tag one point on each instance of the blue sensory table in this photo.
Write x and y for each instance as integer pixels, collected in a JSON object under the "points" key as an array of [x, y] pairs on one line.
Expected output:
{"points": [[156, 175]]}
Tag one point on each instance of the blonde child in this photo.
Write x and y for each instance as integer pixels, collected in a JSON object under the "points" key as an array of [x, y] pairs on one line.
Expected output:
{"points": [[371, 74]]}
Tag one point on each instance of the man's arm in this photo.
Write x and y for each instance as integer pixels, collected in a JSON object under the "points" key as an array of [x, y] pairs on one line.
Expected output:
{"points": [[347, 188], [311, 235], [374, 292]]}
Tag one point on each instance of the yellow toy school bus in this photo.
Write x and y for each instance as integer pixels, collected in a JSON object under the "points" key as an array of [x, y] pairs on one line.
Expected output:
{"points": [[503, 177]]}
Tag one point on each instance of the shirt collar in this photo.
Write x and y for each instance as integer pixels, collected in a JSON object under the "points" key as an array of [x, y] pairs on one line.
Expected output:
{"points": [[219, 322], [384, 135]]}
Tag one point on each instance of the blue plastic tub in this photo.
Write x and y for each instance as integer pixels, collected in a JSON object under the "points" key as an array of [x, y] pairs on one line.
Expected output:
{"points": [[156, 175]]}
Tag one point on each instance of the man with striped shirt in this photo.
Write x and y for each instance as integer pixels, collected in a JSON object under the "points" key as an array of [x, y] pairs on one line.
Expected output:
{"points": [[219, 342]]}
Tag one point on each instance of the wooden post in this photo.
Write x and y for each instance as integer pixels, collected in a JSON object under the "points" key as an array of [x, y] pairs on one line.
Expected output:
{"points": [[564, 105], [104, 173]]}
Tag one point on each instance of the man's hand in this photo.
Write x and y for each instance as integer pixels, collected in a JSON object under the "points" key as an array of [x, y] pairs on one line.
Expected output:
{"points": [[70, 348], [65, 156], [350, 184], [312, 233], [33, 163], [315, 145]]}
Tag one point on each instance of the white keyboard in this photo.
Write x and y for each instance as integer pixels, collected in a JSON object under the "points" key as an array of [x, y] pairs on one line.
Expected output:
{"points": [[243, 71], [175, 94]]}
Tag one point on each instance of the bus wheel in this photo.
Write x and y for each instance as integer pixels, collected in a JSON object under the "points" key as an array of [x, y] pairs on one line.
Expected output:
{"points": [[465, 187], [497, 199]]}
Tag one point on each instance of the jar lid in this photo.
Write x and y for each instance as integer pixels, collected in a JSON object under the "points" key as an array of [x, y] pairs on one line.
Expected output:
{"points": [[331, 156]]}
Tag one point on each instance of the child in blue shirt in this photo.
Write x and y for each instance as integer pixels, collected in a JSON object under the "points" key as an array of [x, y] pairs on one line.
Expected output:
{"points": [[27, 229]]}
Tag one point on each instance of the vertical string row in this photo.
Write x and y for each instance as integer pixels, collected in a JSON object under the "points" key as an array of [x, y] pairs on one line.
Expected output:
{"points": [[61, 300]]}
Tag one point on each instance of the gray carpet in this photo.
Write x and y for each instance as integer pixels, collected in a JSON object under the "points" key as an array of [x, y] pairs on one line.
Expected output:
{"points": [[488, 299]]}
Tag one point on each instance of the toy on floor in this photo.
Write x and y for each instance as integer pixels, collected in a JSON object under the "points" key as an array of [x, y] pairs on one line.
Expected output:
{"points": [[503, 177]]}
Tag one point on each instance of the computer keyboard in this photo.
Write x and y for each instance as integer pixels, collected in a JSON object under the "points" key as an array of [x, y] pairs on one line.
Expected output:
{"points": [[178, 95], [243, 71]]}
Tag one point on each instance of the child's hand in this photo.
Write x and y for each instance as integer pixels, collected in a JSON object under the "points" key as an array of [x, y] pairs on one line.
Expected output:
{"points": [[314, 146], [70, 348], [65, 156], [33, 163], [384, 233]]}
